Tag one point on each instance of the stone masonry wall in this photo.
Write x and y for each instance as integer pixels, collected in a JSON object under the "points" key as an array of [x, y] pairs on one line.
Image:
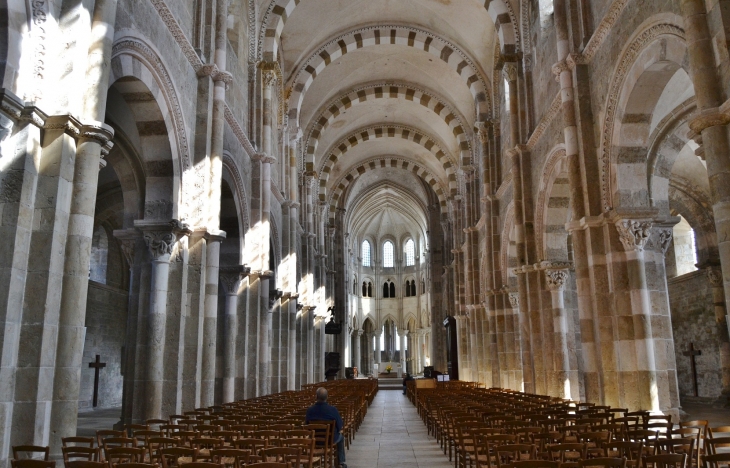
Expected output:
{"points": [[106, 323], [693, 321]]}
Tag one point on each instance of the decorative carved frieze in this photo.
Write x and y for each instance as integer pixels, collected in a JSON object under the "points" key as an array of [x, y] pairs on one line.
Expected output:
{"points": [[231, 276], [160, 237], [633, 234], [514, 300], [665, 238], [509, 71]]}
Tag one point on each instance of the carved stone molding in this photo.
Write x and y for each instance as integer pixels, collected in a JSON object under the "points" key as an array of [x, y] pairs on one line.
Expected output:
{"points": [[665, 238], [482, 129], [514, 300], [97, 131], [127, 242], [555, 279], [633, 234], [714, 276]]}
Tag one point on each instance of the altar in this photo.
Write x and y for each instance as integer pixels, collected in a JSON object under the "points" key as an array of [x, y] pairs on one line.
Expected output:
{"points": [[379, 369]]}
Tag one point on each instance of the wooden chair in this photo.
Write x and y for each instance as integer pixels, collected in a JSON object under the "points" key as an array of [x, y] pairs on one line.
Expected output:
{"points": [[136, 465], [632, 451], [86, 464], [32, 463], [155, 444], [175, 456], [268, 465], [230, 457], [204, 445], [535, 464], [568, 454], [252, 445], [716, 445], [668, 460], [289, 455], [716, 460], [25, 452], [201, 465], [603, 461], [510, 453], [323, 440], [116, 455], [306, 446], [79, 453]]}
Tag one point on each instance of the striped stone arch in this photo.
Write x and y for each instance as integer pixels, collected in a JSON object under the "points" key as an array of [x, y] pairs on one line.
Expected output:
{"points": [[505, 24], [386, 131], [387, 91], [399, 35], [380, 163]]}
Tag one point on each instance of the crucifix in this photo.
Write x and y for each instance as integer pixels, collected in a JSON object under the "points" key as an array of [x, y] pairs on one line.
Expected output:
{"points": [[692, 353], [97, 366]]}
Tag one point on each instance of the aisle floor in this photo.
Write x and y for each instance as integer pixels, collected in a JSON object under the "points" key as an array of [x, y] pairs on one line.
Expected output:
{"points": [[392, 435]]}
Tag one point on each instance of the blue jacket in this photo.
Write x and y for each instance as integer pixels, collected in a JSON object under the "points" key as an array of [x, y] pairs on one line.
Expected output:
{"points": [[321, 411]]}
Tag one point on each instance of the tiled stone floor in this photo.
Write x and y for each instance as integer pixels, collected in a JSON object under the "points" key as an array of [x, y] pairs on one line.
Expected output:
{"points": [[392, 435]]}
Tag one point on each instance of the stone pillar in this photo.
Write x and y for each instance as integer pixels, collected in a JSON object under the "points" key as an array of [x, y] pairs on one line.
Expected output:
{"points": [[634, 235], [402, 334], [72, 316], [210, 320], [160, 238], [509, 71], [714, 276], [356, 357], [555, 280], [230, 278], [377, 348], [710, 126]]}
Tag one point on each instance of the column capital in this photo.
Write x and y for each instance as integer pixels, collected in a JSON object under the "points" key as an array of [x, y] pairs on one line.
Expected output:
{"points": [[711, 117], [128, 242], [514, 300], [161, 236], [214, 235], [271, 73], [359, 332], [555, 279], [633, 233], [402, 333], [230, 276], [714, 276], [509, 71]]}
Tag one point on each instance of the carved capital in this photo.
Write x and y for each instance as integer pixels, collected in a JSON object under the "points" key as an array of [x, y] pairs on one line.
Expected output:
{"points": [[559, 68], [664, 239], [160, 237], [555, 279], [714, 276], [231, 276], [527, 62], [509, 71], [97, 131], [633, 234], [514, 300], [127, 242], [708, 118]]}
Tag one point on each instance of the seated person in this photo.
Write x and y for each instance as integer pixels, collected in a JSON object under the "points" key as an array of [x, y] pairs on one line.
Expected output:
{"points": [[321, 411]]}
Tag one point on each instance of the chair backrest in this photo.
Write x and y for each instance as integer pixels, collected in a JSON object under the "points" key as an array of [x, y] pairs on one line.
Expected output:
{"points": [[170, 455], [268, 465], [79, 453], [115, 455], [231, 456], [105, 433], [86, 464], [21, 452], [322, 436], [32, 463], [291, 455], [716, 460], [136, 465], [667, 460], [77, 441], [203, 465], [603, 461], [535, 464]]}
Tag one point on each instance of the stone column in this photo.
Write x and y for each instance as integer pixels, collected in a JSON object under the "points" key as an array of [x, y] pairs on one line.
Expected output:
{"points": [[160, 238], [509, 71], [378, 351], [714, 276], [230, 278], [555, 280], [72, 316], [210, 320], [369, 350], [633, 235], [402, 334], [710, 126], [356, 357]]}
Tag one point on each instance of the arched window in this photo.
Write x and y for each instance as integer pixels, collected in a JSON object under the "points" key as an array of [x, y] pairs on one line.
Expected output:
{"points": [[408, 288], [410, 253], [370, 289], [386, 290], [364, 289], [392, 289], [354, 286], [685, 248], [423, 286], [365, 253], [99, 255], [388, 249], [413, 288]]}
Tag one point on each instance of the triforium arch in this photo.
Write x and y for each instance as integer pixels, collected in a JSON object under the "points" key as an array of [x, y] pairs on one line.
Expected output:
{"points": [[418, 137], [388, 90], [354, 173], [417, 38], [552, 208], [649, 59]]}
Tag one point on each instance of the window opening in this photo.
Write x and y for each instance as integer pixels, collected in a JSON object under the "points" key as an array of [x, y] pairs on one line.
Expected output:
{"points": [[410, 253], [365, 253], [388, 261]]}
